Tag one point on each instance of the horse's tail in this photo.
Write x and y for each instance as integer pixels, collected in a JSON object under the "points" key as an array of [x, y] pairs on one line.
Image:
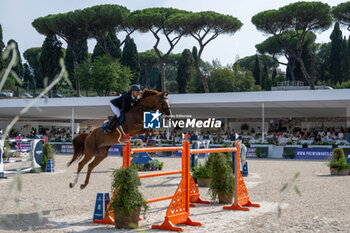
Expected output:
{"points": [[78, 147]]}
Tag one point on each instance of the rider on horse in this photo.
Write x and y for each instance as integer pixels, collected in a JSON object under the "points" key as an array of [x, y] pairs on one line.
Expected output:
{"points": [[124, 103]]}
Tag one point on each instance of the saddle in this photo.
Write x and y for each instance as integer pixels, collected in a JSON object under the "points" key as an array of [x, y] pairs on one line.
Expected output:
{"points": [[115, 123]]}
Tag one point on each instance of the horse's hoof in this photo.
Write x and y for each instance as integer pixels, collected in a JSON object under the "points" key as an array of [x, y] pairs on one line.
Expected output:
{"points": [[82, 186], [71, 185]]}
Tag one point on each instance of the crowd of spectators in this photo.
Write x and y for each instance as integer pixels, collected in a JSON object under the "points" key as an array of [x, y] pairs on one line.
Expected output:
{"points": [[276, 134], [273, 136]]}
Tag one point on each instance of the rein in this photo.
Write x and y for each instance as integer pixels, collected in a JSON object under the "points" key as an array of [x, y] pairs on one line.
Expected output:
{"points": [[145, 107]]}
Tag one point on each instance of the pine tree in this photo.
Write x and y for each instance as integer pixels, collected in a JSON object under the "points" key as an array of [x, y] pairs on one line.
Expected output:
{"points": [[344, 68], [112, 46], [130, 58], [335, 57], [51, 52], [256, 71], [81, 46], [184, 68], [28, 76], [18, 68], [274, 78], [265, 79], [194, 53], [2, 45]]}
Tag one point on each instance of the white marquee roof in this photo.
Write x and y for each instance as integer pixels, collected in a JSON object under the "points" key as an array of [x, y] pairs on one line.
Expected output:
{"points": [[306, 103]]}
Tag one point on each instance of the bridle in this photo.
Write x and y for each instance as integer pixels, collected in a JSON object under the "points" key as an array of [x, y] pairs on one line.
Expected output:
{"points": [[161, 100]]}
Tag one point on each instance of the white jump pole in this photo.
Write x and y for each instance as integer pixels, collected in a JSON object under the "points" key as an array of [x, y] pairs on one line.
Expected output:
{"points": [[35, 149], [2, 173], [206, 143]]}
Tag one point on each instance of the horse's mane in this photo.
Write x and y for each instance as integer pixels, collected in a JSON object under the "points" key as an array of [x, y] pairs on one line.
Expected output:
{"points": [[147, 92]]}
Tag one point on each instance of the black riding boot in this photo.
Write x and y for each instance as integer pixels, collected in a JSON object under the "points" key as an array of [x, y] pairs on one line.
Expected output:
{"points": [[110, 124]]}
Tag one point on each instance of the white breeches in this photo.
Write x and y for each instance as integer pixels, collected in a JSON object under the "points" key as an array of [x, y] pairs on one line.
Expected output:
{"points": [[115, 109]]}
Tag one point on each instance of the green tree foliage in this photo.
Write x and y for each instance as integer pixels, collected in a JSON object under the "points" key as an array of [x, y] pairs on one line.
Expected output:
{"points": [[105, 19], [184, 69], [345, 63], [18, 68], [228, 80], [257, 71], [265, 79], [69, 58], [79, 25], [83, 54], [322, 61], [51, 52], [335, 56], [2, 46], [32, 55], [130, 59], [156, 20], [204, 27], [276, 48], [148, 61], [298, 17], [249, 61], [104, 75], [195, 53], [341, 13], [112, 43]]}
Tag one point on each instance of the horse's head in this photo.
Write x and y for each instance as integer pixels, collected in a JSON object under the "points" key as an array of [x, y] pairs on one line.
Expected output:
{"points": [[156, 101]]}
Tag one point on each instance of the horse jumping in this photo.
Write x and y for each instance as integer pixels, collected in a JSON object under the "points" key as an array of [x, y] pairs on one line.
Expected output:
{"points": [[97, 143]]}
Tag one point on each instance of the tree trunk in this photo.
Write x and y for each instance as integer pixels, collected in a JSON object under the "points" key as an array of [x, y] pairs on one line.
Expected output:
{"points": [[77, 84], [291, 66], [162, 75], [202, 77], [306, 74]]}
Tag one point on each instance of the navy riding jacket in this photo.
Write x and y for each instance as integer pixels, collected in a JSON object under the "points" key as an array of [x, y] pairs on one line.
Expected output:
{"points": [[124, 102]]}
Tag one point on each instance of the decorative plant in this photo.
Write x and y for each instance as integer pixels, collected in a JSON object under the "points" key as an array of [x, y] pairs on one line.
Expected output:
{"points": [[7, 154], [221, 174], [13, 133], [258, 153], [228, 157], [128, 198], [338, 154], [201, 172], [153, 164], [48, 154], [338, 160], [160, 165]]}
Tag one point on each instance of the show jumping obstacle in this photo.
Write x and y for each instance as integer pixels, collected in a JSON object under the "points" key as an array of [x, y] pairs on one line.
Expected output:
{"points": [[179, 209], [35, 151]]}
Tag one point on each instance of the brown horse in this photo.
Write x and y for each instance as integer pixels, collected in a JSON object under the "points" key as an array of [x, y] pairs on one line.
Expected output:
{"points": [[97, 143]]}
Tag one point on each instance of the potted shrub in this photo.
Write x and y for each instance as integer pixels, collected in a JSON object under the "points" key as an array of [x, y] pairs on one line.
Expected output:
{"points": [[258, 153], [222, 181], [201, 173], [337, 164], [160, 166], [289, 154], [48, 154], [128, 201]]}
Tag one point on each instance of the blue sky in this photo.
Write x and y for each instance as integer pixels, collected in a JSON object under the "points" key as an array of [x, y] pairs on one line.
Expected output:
{"points": [[16, 17]]}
